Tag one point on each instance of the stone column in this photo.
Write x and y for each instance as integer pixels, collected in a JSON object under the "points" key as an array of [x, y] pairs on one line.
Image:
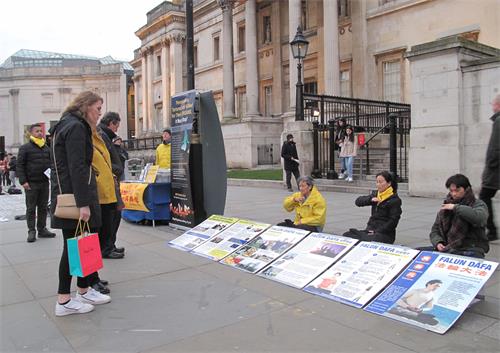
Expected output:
{"points": [[252, 73], [294, 11], [137, 126], [144, 81], [359, 48], [277, 65], [151, 107], [331, 48], [176, 40], [14, 95], [228, 59], [165, 86]]}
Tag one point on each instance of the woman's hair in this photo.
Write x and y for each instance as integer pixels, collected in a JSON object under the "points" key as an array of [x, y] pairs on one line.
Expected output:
{"points": [[389, 177], [351, 136], [460, 181], [306, 179], [82, 102]]}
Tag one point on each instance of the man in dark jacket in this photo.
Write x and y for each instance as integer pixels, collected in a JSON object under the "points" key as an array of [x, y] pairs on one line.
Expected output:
{"points": [[32, 163], [460, 223], [491, 173], [289, 154]]}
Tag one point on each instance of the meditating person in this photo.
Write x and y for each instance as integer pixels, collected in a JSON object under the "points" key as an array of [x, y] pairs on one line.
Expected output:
{"points": [[309, 206], [386, 211]]}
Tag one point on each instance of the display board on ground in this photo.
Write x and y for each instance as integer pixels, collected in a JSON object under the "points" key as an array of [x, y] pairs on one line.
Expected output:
{"points": [[309, 258], [202, 232], [362, 273], [434, 290], [264, 248], [230, 239]]}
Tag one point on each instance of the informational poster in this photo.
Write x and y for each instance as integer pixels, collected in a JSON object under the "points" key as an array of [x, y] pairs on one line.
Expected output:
{"points": [[202, 232], [181, 207], [434, 290], [151, 174], [312, 256], [133, 196], [230, 239], [362, 273], [264, 248]]}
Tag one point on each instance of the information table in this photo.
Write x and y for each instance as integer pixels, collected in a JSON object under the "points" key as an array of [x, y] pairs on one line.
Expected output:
{"points": [[155, 196]]}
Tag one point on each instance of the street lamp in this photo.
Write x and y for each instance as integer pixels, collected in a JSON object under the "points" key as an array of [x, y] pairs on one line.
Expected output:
{"points": [[299, 46]]}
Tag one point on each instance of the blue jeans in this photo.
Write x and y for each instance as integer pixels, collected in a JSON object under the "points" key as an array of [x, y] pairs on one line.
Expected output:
{"points": [[348, 161]]}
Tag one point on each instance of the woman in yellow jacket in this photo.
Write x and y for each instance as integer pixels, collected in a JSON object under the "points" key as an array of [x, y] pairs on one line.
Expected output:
{"points": [[309, 206]]}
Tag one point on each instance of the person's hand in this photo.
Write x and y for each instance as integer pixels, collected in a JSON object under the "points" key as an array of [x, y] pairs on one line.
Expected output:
{"points": [[371, 232], [85, 213], [26, 186], [299, 199], [375, 199], [441, 247], [448, 206], [414, 309]]}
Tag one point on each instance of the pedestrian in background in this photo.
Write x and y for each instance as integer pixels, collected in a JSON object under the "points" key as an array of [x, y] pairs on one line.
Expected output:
{"points": [[122, 152], [339, 140], [4, 170], [491, 174], [348, 151], [291, 158], [33, 162], [12, 170]]}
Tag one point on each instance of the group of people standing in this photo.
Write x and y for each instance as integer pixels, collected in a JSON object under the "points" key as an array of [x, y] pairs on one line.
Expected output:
{"points": [[8, 164]]}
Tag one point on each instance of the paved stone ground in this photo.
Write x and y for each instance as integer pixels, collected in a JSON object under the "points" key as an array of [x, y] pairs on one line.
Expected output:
{"points": [[166, 300]]}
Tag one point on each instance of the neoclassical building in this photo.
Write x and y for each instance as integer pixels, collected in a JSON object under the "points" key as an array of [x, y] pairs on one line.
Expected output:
{"points": [[36, 86], [242, 54]]}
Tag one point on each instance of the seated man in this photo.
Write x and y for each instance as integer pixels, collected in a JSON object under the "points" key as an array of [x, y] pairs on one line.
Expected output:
{"points": [[309, 206], [386, 211], [461, 221]]}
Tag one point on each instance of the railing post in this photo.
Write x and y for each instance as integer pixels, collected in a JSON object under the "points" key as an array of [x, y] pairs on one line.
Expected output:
{"points": [[367, 146], [332, 174], [393, 155], [316, 173]]}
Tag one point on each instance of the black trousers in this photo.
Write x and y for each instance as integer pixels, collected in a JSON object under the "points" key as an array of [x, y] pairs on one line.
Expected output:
{"points": [[116, 225], [363, 235], [107, 234], [296, 174], [64, 275], [288, 223], [37, 199], [486, 194]]}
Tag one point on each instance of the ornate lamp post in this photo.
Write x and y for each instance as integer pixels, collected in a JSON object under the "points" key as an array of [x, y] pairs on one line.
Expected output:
{"points": [[299, 46]]}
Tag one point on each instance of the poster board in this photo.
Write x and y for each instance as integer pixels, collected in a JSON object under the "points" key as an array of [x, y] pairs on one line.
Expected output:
{"points": [[231, 238], [433, 292], [151, 174], [264, 248], [309, 258], [202, 232], [362, 273], [132, 195]]}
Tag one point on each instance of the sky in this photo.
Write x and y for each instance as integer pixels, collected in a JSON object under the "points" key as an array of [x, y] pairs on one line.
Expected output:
{"points": [[85, 27]]}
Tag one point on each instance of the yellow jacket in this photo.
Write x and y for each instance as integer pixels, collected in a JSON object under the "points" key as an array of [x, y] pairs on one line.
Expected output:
{"points": [[163, 155], [312, 212], [101, 163]]}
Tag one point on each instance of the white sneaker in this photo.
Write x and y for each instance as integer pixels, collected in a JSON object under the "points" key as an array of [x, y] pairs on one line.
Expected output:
{"points": [[341, 176], [349, 180], [93, 297], [73, 307]]}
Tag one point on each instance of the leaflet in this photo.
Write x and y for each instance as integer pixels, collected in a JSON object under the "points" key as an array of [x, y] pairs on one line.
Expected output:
{"points": [[264, 248], [202, 232], [362, 273], [304, 262], [227, 241], [434, 290]]}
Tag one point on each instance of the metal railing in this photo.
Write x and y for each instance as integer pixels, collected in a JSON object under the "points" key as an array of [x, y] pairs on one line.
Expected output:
{"points": [[146, 143]]}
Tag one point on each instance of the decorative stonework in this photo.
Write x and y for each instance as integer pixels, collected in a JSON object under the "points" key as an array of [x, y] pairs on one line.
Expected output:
{"points": [[176, 37], [344, 28], [14, 91], [225, 4]]}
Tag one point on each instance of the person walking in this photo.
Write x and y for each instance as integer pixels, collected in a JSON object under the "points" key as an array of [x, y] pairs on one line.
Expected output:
{"points": [[339, 140], [163, 151], [348, 151], [32, 163], [72, 173], [491, 174], [291, 159], [12, 170]]}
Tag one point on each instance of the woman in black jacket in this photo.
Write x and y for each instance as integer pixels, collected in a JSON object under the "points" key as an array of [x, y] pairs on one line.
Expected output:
{"points": [[386, 212], [71, 173]]}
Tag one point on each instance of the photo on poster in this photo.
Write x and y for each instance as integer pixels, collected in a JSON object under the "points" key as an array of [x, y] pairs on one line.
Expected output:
{"points": [[308, 259], [230, 239], [434, 290], [362, 273], [202, 232], [264, 248]]}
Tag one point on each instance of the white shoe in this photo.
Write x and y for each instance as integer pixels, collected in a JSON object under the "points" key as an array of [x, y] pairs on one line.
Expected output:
{"points": [[93, 297], [341, 176], [73, 307], [349, 180]]}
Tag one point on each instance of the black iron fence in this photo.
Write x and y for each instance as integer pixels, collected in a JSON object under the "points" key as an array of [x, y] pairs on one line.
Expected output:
{"points": [[390, 121], [146, 143]]}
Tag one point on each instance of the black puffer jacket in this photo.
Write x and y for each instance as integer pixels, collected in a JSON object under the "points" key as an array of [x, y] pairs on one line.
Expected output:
{"points": [[72, 143], [385, 216], [289, 151], [32, 161], [491, 173], [107, 136]]}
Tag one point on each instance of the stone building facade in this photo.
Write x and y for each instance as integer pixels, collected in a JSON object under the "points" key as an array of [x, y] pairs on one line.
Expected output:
{"points": [[36, 86]]}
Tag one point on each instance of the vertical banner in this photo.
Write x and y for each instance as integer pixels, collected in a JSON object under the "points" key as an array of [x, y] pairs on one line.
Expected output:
{"points": [[181, 207]]}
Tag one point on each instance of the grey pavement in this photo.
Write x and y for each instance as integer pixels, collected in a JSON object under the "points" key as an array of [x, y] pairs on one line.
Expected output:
{"points": [[166, 300]]}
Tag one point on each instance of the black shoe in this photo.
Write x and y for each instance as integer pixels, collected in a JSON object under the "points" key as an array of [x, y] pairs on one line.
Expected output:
{"points": [[103, 282], [119, 250], [101, 288], [290, 189], [31, 236], [113, 255], [44, 233], [492, 236]]}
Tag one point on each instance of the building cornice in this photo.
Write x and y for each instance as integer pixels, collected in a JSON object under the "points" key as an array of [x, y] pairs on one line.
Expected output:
{"points": [[161, 22]]}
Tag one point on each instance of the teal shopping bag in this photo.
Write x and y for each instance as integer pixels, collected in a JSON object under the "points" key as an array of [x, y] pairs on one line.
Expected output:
{"points": [[84, 253]]}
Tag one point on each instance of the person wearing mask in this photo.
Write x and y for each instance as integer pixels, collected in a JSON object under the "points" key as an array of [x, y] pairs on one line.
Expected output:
{"points": [[163, 151]]}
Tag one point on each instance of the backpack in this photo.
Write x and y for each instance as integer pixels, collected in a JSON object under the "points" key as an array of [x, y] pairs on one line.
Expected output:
{"points": [[14, 191]]}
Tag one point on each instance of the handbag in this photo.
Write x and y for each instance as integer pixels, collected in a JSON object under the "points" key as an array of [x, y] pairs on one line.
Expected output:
{"points": [[66, 204], [84, 251]]}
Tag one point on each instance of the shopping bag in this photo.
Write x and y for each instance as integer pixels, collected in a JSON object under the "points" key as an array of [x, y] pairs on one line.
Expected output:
{"points": [[84, 252]]}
